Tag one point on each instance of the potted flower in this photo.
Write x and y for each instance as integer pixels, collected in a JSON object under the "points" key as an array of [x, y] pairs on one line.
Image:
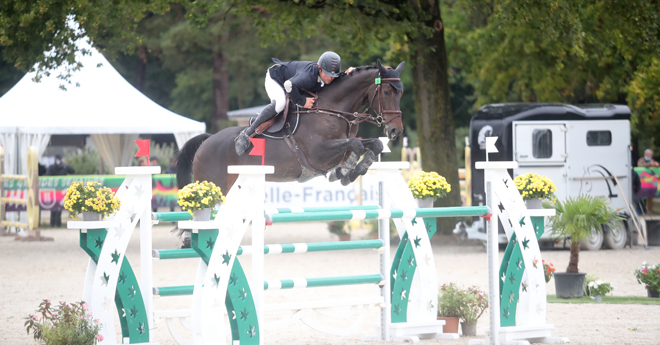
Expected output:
{"points": [[534, 187], [426, 187], [65, 324], [449, 306], [576, 218], [91, 200], [340, 228], [598, 288], [473, 304], [549, 270], [199, 198], [649, 275]]}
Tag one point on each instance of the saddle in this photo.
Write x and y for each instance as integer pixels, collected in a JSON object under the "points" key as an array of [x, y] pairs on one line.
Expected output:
{"points": [[274, 128]]}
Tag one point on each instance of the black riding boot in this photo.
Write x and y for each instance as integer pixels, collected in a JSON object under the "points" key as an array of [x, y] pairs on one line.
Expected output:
{"points": [[242, 141]]}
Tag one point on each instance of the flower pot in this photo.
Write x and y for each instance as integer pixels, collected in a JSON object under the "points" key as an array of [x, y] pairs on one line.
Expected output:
{"points": [[202, 215], [424, 203], [569, 285], [469, 329], [346, 237], [598, 298], [652, 293], [90, 216], [535, 203], [451, 324]]}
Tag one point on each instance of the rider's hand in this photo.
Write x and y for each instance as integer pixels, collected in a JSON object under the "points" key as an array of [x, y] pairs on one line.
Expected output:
{"points": [[349, 70], [309, 103]]}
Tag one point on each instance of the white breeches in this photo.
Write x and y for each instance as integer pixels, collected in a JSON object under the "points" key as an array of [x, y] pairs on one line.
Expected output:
{"points": [[275, 92]]}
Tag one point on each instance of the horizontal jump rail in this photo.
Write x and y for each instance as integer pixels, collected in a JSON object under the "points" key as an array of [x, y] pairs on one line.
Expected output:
{"points": [[300, 283], [318, 282], [184, 215], [320, 209], [295, 248], [379, 214]]}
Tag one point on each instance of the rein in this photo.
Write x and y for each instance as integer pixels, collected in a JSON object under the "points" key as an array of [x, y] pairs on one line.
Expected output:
{"points": [[377, 120]]}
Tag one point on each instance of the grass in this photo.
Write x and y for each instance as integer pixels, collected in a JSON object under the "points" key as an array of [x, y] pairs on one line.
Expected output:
{"points": [[607, 300]]}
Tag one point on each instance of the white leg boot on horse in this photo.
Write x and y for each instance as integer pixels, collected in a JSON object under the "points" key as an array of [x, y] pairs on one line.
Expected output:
{"points": [[242, 141]]}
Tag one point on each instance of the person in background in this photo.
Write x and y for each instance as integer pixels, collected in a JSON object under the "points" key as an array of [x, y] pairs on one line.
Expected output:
{"points": [[59, 168], [143, 162], [153, 160], [647, 161], [172, 168]]}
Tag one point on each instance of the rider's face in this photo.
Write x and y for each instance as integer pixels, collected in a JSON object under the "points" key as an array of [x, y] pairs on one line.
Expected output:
{"points": [[326, 78]]}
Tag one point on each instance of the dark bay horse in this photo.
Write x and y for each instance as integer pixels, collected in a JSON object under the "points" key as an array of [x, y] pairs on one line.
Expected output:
{"points": [[325, 135]]}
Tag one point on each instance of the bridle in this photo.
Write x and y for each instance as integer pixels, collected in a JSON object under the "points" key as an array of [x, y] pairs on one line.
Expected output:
{"points": [[364, 116]]}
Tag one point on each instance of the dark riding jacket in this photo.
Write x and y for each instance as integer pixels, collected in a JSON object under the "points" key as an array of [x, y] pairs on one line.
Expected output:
{"points": [[303, 75]]}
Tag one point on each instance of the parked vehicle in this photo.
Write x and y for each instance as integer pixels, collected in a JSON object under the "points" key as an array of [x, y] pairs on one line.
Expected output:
{"points": [[581, 148]]}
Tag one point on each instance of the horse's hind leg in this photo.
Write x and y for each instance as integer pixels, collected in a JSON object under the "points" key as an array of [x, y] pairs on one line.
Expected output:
{"points": [[374, 148]]}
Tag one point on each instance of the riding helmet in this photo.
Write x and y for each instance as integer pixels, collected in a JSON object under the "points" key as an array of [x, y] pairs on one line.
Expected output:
{"points": [[330, 63]]}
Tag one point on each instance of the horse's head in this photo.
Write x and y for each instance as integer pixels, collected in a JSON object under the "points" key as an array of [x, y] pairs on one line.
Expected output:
{"points": [[387, 98]]}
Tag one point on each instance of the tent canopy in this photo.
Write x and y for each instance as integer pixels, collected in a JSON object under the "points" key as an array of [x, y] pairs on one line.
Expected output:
{"points": [[97, 101]]}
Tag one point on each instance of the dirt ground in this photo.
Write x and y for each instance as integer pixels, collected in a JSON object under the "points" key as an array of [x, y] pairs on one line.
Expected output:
{"points": [[32, 271]]}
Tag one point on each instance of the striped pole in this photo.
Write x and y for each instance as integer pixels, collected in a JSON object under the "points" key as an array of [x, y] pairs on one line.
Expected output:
{"points": [[182, 216], [378, 214], [302, 283], [299, 283], [292, 248]]}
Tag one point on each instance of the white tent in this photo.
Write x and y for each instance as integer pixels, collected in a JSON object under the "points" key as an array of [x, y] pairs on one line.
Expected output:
{"points": [[99, 102]]}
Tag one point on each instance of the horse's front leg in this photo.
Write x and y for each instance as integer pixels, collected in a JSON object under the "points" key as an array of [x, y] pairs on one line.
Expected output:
{"points": [[374, 148], [352, 145]]}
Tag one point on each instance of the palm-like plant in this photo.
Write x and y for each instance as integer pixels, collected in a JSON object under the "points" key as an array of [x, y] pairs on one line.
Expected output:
{"points": [[578, 217]]}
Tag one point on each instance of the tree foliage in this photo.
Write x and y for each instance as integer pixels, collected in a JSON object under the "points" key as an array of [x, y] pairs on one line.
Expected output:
{"points": [[585, 51], [30, 28]]}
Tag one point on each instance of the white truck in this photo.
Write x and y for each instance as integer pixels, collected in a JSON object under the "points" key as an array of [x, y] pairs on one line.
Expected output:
{"points": [[583, 149]]}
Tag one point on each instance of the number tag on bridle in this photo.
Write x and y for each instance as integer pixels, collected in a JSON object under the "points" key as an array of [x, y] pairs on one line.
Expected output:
{"points": [[377, 81]]}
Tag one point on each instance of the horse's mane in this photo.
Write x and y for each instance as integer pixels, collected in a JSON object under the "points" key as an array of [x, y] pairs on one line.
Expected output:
{"points": [[360, 68]]}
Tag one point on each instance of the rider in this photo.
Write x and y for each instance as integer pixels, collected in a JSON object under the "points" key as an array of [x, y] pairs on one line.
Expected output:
{"points": [[291, 77]]}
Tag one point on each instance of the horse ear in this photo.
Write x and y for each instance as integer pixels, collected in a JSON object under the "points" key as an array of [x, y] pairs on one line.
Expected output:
{"points": [[399, 68], [382, 69]]}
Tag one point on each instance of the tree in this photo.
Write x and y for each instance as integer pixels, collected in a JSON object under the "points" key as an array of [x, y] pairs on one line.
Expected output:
{"points": [[585, 51], [30, 28]]}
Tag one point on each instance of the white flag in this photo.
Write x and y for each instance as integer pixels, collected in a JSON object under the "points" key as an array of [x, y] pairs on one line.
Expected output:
{"points": [[490, 145]]}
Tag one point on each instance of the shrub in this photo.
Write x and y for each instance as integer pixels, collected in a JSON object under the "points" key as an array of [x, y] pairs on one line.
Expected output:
{"points": [[69, 324]]}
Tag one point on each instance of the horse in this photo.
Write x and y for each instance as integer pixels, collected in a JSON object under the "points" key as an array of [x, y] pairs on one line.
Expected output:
{"points": [[324, 139]]}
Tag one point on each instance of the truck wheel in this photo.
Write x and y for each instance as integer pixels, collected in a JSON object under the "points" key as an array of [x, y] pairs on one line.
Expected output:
{"points": [[593, 242], [615, 237]]}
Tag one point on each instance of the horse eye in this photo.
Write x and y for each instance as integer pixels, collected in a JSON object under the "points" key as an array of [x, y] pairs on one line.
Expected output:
{"points": [[387, 93]]}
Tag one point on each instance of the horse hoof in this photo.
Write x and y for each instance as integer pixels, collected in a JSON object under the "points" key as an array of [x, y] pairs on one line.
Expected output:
{"points": [[345, 181], [334, 175]]}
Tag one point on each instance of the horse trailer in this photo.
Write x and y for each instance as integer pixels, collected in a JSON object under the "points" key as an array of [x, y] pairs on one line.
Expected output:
{"points": [[583, 149]]}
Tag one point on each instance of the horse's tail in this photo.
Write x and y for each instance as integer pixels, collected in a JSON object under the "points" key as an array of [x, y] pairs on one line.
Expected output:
{"points": [[184, 159]]}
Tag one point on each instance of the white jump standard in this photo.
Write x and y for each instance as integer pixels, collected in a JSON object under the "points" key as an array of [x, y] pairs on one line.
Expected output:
{"points": [[517, 295]]}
